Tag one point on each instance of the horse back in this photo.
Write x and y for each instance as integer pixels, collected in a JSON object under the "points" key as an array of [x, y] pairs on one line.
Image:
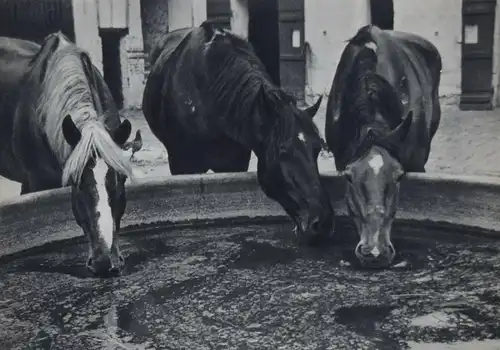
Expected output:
{"points": [[15, 57], [412, 66], [163, 79]]}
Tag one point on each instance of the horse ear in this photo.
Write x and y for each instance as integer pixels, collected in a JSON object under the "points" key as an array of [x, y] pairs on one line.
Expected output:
{"points": [[71, 133], [209, 30], [49, 46], [312, 110], [398, 174], [121, 135], [399, 134], [347, 173]]}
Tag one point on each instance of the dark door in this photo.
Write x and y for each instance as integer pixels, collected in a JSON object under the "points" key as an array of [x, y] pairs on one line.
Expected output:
{"points": [[382, 13], [263, 33], [292, 53], [478, 17], [219, 13], [111, 65], [34, 20]]}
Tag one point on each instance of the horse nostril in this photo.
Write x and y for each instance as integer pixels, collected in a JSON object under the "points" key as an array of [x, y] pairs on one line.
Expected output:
{"points": [[359, 251], [375, 252], [392, 251], [315, 224], [114, 271], [365, 252]]}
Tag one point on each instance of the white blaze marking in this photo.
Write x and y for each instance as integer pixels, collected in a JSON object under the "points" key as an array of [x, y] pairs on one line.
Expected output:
{"points": [[105, 219], [301, 137], [376, 163], [372, 46], [375, 252]]}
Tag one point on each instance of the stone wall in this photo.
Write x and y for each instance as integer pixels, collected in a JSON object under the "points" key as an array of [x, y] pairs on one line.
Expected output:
{"points": [[154, 15]]}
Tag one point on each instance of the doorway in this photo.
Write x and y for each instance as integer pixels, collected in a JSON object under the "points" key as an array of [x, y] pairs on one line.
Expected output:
{"points": [[382, 13], [111, 63], [263, 34], [276, 32]]}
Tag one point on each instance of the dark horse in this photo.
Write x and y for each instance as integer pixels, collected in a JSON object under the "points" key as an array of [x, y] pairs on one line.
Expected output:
{"points": [[209, 100], [58, 126], [382, 114]]}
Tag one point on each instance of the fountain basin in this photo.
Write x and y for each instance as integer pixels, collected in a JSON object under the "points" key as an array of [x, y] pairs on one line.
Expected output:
{"points": [[211, 264]]}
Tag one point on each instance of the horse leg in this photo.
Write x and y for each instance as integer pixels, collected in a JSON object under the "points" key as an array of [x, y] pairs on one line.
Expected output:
{"points": [[179, 165], [436, 113], [239, 163], [227, 156], [25, 188], [35, 184], [187, 161]]}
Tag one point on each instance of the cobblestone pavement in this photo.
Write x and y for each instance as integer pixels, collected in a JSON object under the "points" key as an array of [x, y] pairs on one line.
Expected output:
{"points": [[466, 143]]}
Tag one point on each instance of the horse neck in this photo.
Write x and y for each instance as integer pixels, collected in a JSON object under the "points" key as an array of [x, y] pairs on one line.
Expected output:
{"points": [[276, 132]]}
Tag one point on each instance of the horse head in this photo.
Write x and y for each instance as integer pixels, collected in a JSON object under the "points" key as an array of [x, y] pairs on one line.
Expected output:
{"points": [[373, 193], [289, 174], [85, 132], [98, 195]]}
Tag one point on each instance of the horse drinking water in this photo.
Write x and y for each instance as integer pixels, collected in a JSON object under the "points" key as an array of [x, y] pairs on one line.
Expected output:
{"points": [[209, 100], [382, 113], [59, 126]]}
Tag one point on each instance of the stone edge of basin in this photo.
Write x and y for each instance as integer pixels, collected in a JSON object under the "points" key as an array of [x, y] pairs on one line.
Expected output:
{"points": [[46, 216]]}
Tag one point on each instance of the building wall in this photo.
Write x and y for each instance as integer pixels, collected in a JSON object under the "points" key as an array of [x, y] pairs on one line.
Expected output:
{"points": [[156, 20], [440, 22], [88, 20], [329, 24], [496, 58], [154, 15], [132, 59]]}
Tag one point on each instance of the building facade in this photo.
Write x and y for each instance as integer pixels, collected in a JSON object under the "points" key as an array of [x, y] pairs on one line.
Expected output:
{"points": [[299, 41]]}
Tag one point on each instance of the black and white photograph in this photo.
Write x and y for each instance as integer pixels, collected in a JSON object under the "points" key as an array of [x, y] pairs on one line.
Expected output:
{"points": [[249, 174]]}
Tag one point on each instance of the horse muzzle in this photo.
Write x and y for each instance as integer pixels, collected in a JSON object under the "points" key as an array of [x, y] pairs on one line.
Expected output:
{"points": [[375, 255], [105, 266], [314, 229]]}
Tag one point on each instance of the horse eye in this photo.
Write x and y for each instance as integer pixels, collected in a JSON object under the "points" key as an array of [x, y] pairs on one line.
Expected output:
{"points": [[366, 193], [386, 191]]}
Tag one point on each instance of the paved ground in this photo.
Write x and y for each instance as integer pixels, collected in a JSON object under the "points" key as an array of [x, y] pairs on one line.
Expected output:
{"points": [[466, 143]]}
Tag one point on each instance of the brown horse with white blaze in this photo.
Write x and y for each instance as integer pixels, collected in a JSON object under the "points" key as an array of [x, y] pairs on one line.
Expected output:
{"points": [[382, 113]]}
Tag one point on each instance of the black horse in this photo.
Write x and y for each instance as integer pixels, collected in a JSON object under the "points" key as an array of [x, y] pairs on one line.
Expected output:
{"points": [[382, 114], [209, 100], [59, 125]]}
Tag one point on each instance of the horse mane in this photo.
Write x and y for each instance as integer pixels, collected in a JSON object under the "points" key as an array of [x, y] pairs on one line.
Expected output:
{"points": [[370, 93], [240, 85], [369, 96], [95, 141], [66, 91]]}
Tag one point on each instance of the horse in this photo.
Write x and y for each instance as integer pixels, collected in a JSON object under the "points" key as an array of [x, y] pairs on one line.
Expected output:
{"points": [[382, 114], [210, 101], [59, 126]]}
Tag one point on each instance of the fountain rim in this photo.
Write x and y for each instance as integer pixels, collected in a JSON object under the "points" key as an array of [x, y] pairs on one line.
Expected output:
{"points": [[180, 181], [436, 199]]}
